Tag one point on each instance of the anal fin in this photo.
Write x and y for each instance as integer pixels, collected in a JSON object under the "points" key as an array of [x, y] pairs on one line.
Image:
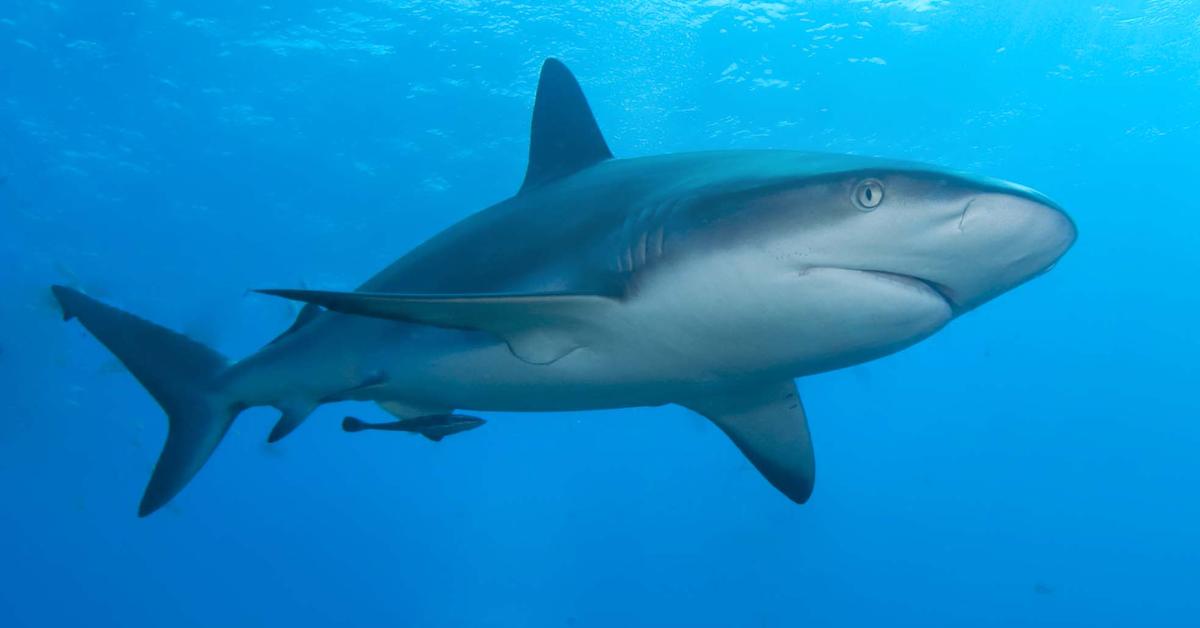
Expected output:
{"points": [[292, 415], [294, 412], [768, 424]]}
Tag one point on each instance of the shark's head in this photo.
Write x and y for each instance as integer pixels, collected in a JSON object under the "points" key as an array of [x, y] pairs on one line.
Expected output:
{"points": [[966, 238], [871, 255]]}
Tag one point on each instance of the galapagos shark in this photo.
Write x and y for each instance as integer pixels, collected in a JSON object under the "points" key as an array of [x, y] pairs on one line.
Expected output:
{"points": [[711, 280]]}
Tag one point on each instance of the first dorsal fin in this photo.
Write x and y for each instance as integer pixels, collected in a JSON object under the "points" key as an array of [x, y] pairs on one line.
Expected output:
{"points": [[564, 137]]}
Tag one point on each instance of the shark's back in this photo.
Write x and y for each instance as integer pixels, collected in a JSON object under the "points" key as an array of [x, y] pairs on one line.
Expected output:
{"points": [[553, 235]]}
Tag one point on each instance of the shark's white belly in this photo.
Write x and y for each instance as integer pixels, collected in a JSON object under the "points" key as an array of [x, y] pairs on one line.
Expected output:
{"points": [[716, 320], [730, 320]]}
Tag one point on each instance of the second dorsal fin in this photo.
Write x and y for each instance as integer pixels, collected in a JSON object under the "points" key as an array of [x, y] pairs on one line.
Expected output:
{"points": [[564, 137]]}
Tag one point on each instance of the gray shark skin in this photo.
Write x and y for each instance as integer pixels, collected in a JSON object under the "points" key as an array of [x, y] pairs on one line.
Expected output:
{"points": [[710, 280]]}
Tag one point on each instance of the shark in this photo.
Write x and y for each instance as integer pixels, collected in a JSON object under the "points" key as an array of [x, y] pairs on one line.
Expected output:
{"points": [[711, 280]]}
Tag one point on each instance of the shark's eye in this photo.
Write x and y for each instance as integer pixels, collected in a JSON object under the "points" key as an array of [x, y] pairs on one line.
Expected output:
{"points": [[868, 194]]}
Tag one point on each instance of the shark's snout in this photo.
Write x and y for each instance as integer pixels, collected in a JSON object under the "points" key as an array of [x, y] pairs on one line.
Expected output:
{"points": [[1009, 238], [1026, 234]]}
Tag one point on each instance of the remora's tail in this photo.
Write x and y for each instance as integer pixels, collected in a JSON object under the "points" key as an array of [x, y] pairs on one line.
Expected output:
{"points": [[180, 373]]}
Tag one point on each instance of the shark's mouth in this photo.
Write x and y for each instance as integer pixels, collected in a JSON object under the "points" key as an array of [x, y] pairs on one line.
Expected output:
{"points": [[937, 290], [942, 292]]}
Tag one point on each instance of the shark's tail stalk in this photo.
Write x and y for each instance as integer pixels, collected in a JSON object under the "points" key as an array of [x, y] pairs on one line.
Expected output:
{"points": [[180, 373]]}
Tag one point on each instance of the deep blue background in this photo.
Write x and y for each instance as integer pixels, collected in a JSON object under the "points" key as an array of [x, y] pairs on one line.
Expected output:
{"points": [[1034, 464]]}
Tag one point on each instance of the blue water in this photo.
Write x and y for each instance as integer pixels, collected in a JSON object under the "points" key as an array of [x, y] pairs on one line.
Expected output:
{"points": [[1034, 464]]}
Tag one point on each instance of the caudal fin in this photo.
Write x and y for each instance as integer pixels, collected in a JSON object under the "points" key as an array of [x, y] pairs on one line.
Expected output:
{"points": [[178, 372]]}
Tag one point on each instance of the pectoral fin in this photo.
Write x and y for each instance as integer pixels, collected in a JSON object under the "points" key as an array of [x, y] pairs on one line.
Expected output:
{"points": [[767, 423], [539, 328]]}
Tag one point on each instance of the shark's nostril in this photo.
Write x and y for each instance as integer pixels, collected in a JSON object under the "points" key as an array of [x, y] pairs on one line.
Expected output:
{"points": [[963, 216]]}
